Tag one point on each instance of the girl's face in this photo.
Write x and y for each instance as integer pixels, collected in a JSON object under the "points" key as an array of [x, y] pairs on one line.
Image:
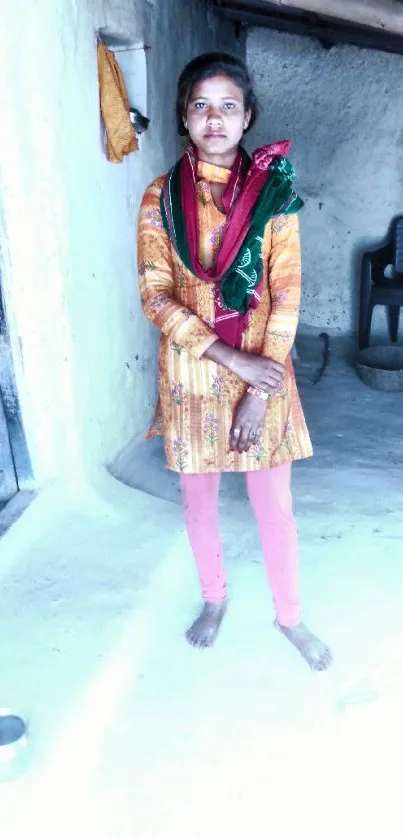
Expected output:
{"points": [[216, 119]]}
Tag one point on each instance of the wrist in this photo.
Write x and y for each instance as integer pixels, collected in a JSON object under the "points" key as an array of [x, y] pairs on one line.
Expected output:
{"points": [[260, 394], [221, 353]]}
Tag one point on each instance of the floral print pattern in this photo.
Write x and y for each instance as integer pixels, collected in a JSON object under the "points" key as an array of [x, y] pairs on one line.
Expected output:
{"points": [[258, 450], [203, 192], [159, 301], [280, 224], [177, 392], [155, 219], [289, 427], [143, 267], [283, 336], [210, 428], [181, 453], [278, 298], [181, 273], [217, 386], [216, 236], [279, 392]]}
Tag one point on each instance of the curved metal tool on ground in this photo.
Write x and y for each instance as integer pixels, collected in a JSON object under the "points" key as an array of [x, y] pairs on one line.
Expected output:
{"points": [[325, 362], [326, 358]]}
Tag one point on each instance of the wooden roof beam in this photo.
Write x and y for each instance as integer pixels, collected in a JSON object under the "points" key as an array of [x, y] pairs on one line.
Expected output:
{"points": [[383, 15]]}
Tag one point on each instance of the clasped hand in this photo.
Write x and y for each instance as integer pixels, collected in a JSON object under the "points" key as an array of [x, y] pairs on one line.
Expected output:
{"points": [[264, 374]]}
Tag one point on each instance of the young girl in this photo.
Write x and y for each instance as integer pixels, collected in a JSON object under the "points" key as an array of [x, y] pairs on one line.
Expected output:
{"points": [[220, 275]]}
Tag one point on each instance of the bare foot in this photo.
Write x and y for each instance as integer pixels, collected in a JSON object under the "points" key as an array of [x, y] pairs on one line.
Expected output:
{"points": [[204, 630], [316, 653]]}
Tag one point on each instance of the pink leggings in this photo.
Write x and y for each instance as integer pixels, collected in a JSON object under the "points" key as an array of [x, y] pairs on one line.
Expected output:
{"points": [[269, 492]]}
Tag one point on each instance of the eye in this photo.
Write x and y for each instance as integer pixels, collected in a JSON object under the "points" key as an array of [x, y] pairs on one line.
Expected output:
{"points": [[199, 105], [229, 106]]}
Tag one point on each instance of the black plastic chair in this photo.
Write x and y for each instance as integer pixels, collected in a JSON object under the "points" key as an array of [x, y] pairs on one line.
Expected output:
{"points": [[378, 289]]}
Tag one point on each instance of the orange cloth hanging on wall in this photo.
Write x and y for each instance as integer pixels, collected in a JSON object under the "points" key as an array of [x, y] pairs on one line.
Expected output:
{"points": [[120, 134]]}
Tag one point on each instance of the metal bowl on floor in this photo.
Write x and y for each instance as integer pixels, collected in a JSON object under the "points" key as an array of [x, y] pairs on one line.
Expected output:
{"points": [[381, 367], [14, 754]]}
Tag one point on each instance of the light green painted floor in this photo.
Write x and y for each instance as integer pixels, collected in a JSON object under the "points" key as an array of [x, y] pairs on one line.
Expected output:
{"points": [[136, 734]]}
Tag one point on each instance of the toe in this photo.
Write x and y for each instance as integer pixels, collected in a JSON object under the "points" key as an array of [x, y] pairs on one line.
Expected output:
{"points": [[320, 662], [324, 663], [209, 638], [191, 637]]}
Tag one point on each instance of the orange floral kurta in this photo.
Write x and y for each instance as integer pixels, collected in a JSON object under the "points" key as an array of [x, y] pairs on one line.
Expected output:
{"points": [[197, 398]]}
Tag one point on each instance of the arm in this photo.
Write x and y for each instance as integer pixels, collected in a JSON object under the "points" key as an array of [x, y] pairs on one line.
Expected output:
{"points": [[170, 316], [259, 372], [285, 288], [264, 372], [157, 286]]}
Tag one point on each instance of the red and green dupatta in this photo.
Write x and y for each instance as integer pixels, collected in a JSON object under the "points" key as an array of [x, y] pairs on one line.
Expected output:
{"points": [[258, 189]]}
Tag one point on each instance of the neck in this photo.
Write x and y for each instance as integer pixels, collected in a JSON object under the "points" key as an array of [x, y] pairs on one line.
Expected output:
{"points": [[224, 161]]}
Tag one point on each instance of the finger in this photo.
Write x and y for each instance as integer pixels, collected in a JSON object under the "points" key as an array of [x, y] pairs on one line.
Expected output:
{"points": [[235, 433], [277, 367], [271, 383], [268, 385], [275, 375], [243, 439], [277, 371]]}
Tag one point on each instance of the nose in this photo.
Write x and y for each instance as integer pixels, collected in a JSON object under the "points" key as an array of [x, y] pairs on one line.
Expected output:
{"points": [[214, 116]]}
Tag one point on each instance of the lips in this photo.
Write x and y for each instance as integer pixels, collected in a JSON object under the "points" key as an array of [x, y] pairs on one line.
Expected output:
{"points": [[213, 135]]}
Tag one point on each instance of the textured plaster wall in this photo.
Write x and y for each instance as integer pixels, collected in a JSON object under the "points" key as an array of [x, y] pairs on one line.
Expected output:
{"points": [[344, 111], [84, 354]]}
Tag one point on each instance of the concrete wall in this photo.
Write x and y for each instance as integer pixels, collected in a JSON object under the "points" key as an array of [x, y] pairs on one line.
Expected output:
{"points": [[84, 354], [344, 110]]}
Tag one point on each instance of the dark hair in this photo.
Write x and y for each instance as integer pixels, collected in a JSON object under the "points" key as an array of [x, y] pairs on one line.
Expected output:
{"points": [[205, 67]]}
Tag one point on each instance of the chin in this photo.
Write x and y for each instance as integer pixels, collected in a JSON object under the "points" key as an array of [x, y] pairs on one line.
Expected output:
{"points": [[217, 145]]}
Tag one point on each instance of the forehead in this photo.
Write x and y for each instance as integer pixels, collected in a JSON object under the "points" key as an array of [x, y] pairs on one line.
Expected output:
{"points": [[220, 87]]}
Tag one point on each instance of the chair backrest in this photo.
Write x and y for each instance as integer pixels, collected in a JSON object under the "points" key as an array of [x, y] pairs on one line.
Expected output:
{"points": [[398, 246]]}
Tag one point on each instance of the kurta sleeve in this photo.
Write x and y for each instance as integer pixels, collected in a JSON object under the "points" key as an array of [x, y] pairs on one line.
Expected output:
{"points": [[156, 281], [285, 288]]}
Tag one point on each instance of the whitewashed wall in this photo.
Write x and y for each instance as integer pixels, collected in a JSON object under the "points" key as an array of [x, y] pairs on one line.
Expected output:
{"points": [[84, 354], [344, 111]]}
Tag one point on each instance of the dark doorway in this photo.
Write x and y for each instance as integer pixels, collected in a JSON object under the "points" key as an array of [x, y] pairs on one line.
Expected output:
{"points": [[8, 479], [15, 467]]}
